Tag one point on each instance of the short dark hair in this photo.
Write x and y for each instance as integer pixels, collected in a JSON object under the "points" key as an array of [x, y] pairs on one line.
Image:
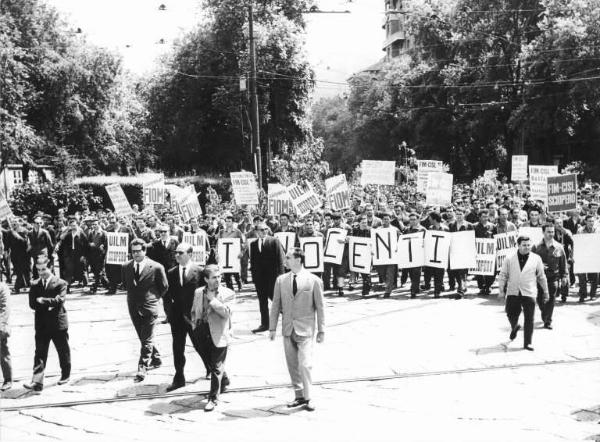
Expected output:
{"points": [[284, 214], [298, 253], [483, 212], [257, 218], [42, 258], [138, 242], [522, 238], [435, 216]]}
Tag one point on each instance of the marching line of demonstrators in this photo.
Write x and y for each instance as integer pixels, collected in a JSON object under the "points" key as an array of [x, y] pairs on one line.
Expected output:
{"points": [[161, 265]]}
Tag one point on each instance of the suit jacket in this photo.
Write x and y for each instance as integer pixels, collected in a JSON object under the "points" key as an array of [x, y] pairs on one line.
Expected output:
{"points": [[571, 225], [142, 296], [178, 300], [40, 242], [80, 244], [267, 264], [51, 314], [298, 311], [218, 314], [164, 255], [4, 309], [513, 280]]}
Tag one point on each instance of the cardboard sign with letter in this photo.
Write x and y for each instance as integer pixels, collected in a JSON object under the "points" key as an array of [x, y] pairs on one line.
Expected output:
{"points": [[424, 167], [562, 193], [359, 254], [119, 200], [519, 168], [485, 258], [287, 240], [245, 190], [338, 194], [334, 249], [586, 255], [385, 245], [377, 172], [304, 199], [462, 250], [198, 242], [506, 244], [228, 250], [117, 251], [439, 188], [154, 190], [411, 252], [535, 234], [313, 253], [278, 199], [538, 181], [437, 246]]}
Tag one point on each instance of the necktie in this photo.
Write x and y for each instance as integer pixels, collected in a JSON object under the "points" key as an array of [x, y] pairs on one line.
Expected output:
{"points": [[294, 286], [137, 272], [182, 276], [260, 244], [45, 283]]}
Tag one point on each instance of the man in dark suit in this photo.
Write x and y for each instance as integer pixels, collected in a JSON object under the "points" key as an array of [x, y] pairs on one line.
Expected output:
{"points": [[183, 279], [267, 262], [74, 248], [47, 297], [163, 248], [40, 242], [145, 281]]}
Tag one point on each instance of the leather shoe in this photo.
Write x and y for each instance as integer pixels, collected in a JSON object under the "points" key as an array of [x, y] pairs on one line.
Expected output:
{"points": [[63, 380], [225, 382], [157, 363], [139, 377], [514, 331], [528, 347], [309, 406], [6, 386], [34, 387], [299, 401], [548, 326], [260, 329], [175, 386], [210, 405]]}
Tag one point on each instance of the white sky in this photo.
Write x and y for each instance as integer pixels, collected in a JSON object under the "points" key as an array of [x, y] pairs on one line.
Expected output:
{"points": [[337, 45]]}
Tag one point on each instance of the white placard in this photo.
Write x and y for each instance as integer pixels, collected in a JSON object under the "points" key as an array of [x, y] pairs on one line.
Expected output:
{"points": [[486, 257], [586, 253], [359, 254], [424, 167], [154, 190], [506, 244], [228, 250], [385, 245], [334, 249], [462, 250], [189, 206], [198, 242], [245, 190], [304, 200], [5, 211], [437, 245], [313, 253], [439, 189], [377, 172], [411, 252], [338, 193], [278, 199], [538, 181], [519, 168], [119, 200], [535, 234], [287, 240], [117, 251]]}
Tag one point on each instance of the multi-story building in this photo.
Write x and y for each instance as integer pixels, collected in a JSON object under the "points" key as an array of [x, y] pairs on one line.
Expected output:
{"points": [[396, 38]]}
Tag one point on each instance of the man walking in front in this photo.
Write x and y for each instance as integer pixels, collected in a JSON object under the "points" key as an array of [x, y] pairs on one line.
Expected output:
{"points": [[518, 280], [47, 298], [298, 296], [145, 281]]}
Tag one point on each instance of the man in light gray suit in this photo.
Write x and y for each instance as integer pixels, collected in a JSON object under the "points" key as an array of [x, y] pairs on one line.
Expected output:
{"points": [[298, 296]]}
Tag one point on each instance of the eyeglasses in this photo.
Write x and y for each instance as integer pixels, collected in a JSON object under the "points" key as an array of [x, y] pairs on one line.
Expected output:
{"points": [[180, 253], [261, 230], [137, 251]]}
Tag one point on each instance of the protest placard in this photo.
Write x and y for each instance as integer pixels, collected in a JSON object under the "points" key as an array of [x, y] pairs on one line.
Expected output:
{"points": [[439, 189], [119, 200], [228, 250], [245, 190], [5, 211], [359, 254], [586, 247], [334, 245], [278, 199], [154, 190], [313, 253], [490, 175], [535, 234], [287, 240], [198, 241], [562, 193], [485, 258], [384, 242], [437, 246], [377, 172], [188, 203], [506, 244], [117, 251], [304, 199], [519, 168], [424, 167], [338, 193], [411, 252], [538, 179], [462, 250]]}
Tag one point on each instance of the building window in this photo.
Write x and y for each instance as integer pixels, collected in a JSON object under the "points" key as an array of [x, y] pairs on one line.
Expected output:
{"points": [[17, 176]]}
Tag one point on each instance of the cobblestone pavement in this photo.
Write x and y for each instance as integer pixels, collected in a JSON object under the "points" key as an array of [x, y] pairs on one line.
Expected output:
{"points": [[390, 369]]}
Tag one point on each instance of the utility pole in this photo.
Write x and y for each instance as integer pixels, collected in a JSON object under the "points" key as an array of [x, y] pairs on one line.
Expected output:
{"points": [[254, 118]]}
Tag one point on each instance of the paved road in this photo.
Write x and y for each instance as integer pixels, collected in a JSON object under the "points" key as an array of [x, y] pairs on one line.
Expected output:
{"points": [[423, 369]]}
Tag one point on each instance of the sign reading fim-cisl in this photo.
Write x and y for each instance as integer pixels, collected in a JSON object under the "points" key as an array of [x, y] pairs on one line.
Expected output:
{"points": [[562, 193]]}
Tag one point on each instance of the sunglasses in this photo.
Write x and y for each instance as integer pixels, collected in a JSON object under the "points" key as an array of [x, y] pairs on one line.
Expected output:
{"points": [[180, 253]]}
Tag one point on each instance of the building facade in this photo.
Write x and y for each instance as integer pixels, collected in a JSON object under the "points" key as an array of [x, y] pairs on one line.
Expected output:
{"points": [[396, 38], [13, 176]]}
